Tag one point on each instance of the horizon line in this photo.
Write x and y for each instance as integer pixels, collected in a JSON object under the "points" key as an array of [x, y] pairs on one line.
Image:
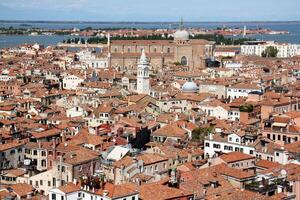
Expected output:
{"points": [[146, 21]]}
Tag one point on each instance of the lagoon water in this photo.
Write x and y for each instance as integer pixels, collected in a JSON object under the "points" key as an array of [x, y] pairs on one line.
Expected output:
{"points": [[14, 40]]}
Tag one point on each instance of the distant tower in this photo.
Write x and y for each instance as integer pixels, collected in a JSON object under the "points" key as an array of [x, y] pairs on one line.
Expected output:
{"points": [[143, 82], [245, 31], [181, 24], [108, 39]]}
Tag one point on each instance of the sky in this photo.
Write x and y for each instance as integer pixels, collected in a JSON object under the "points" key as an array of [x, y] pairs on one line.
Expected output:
{"points": [[150, 10]]}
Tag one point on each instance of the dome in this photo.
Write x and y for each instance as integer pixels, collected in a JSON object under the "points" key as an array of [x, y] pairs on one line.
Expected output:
{"points": [[181, 35], [190, 86]]}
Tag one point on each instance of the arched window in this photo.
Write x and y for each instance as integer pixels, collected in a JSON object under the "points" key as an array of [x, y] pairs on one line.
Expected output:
{"points": [[12, 152], [184, 61]]}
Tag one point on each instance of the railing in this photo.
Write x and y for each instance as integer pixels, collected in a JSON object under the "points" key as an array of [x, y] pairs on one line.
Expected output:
{"points": [[272, 130], [261, 189], [264, 188]]}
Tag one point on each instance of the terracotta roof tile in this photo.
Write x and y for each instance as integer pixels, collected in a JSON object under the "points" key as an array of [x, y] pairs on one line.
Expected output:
{"points": [[235, 156], [170, 131]]}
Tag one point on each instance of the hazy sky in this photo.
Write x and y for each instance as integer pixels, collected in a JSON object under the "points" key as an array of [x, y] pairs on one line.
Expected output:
{"points": [[150, 10]]}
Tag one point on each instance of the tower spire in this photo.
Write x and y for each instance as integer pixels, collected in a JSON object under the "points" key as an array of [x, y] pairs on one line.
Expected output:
{"points": [[108, 39], [181, 24], [143, 58]]}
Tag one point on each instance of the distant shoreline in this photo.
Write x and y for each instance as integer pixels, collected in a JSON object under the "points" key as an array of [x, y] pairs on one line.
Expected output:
{"points": [[142, 22], [293, 27]]}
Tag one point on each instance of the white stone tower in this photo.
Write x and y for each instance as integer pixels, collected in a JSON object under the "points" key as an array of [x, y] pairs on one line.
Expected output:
{"points": [[245, 31], [143, 82]]}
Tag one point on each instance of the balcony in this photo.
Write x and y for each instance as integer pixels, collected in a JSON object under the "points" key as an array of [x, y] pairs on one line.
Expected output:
{"points": [[256, 187], [264, 187]]}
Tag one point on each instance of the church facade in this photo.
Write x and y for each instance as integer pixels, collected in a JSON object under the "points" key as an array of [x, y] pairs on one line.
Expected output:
{"points": [[124, 54]]}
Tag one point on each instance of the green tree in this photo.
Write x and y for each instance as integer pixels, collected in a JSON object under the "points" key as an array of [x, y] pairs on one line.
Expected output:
{"points": [[221, 39], [97, 40], [177, 63], [88, 28], [270, 52], [199, 134], [246, 108]]}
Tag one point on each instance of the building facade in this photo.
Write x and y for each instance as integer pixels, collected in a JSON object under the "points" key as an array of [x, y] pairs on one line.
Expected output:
{"points": [[124, 54], [257, 48]]}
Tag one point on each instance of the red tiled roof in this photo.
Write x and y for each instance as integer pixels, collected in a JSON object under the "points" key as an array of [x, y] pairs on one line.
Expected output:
{"points": [[235, 156]]}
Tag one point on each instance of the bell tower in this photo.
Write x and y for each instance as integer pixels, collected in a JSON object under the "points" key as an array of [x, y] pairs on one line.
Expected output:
{"points": [[143, 81]]}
